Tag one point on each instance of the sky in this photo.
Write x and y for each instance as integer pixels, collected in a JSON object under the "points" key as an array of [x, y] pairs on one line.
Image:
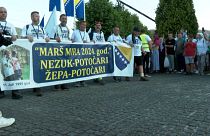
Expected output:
{"points": [[19, 11]]}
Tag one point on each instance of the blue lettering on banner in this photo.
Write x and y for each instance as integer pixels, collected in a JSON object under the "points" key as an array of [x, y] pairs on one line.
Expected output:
{"points": [[54, 61]]}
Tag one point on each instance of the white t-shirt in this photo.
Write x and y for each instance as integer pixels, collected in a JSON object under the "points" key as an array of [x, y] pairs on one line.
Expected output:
{"points": [[4, 25], [98, 37], [114, 38], [80, 36], [63, 32], [36, 31], [137, 45], [202, 47], [7, 67], [16, 64]]}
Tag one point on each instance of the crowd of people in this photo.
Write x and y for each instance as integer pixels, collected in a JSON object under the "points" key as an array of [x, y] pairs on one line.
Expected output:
{"points": [[184, 54], [174, 54]]}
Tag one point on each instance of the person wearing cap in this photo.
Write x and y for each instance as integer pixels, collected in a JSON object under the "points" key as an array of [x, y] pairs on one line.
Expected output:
{"points": [[135, 41], [202, 48]]}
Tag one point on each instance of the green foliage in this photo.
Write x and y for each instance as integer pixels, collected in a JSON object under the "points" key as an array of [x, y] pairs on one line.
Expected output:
{"points": [[111, 15], [176, 15]]}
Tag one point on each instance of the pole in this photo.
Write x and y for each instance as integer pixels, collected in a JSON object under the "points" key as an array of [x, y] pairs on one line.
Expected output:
{"points": [[119, 1]]}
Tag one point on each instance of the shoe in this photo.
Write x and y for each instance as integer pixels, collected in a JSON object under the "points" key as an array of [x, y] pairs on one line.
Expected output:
{"points": [[127, 79], [38, 92], [83, 84], [64, 87], [101, 82], [119, 79], [16, 96], [56, 87], [96, 80], [2, 94], [115, 78], [143, 79], [77, 84], [4, 122], [196, 72], [147, 76], [179, 72]]}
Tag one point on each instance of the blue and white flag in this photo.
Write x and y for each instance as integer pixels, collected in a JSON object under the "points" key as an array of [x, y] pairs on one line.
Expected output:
{"points": [[55, 3], [42, 22], [80, 9], [52, 22], [69, 7]]}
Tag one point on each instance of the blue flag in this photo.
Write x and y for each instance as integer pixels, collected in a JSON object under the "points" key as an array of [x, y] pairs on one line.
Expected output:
{"points": [[80, 9], [69, 7], [42, 22], [55, 3]]}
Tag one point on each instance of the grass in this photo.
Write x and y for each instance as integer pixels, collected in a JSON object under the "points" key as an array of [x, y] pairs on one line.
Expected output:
{"points": [[26, 72]]}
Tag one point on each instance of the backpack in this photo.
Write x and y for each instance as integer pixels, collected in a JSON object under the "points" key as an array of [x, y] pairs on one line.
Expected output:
{"points": [[27, 26], [91, 34], [134, 40], [5, 41]]}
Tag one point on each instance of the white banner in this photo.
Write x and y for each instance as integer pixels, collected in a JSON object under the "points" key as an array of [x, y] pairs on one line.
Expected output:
{"points": [[30, 65]]}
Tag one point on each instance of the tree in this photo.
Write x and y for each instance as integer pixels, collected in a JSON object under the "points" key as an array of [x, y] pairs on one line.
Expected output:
{"points": [[111, 15], [176, 15]]}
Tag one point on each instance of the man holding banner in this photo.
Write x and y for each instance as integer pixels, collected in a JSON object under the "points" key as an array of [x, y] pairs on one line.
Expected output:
{"points": [[33, 32], [97, 36], [115, 37], [80, 36], [8, 34], [62, 34]]}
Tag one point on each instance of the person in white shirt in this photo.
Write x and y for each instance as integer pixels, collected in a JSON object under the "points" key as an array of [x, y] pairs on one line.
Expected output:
{"points": [[5, 122], [135, 41], [80, 36], [16, 66], [62, 32], [115, 37], [7, 30], [7, 66], [97, 36], [34, 31], [202, 48]]}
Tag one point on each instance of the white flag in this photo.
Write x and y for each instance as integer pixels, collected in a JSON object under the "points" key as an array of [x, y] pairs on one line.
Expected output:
{"points": [[52, 22]]}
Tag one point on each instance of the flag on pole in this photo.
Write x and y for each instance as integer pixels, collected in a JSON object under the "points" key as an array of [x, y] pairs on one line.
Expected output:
{"points": [[69, 7], [55, 3], [52, 22], [42, 22], [80, 9]]}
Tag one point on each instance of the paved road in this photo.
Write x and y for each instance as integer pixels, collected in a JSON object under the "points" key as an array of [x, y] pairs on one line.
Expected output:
{"points": [[167, 105]]}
